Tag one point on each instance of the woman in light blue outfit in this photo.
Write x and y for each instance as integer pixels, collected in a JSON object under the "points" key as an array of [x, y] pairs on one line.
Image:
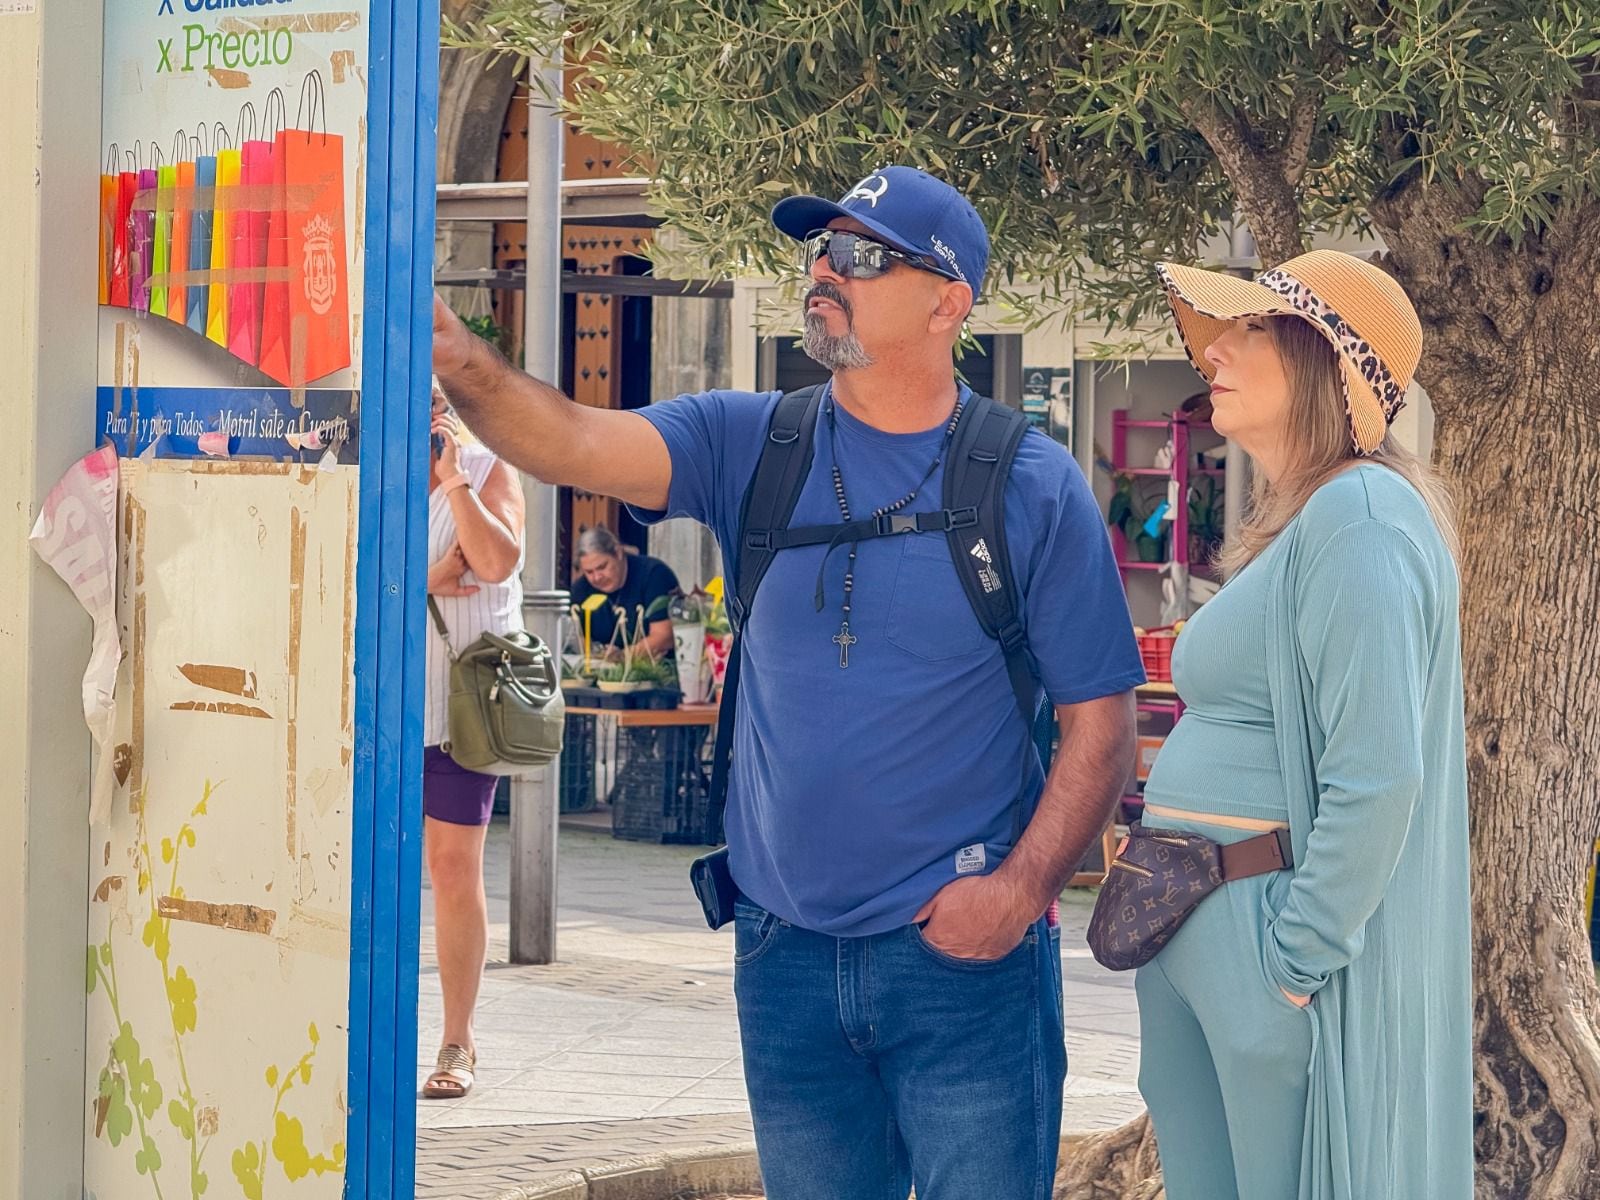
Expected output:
{"points": [[1307, 1033]]}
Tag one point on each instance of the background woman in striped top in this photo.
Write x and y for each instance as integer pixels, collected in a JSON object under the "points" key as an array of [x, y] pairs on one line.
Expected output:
{"points": [[475, 520]]}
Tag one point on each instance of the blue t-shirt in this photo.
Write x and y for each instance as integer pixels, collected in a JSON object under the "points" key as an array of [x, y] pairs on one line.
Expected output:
{"points": [[857, 793]]}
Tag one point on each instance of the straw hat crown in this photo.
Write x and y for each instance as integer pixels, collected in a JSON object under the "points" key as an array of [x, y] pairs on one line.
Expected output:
{"points": [[1361, 310]]}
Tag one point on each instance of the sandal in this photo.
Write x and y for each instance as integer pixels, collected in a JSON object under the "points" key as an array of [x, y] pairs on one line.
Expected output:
{"points": [[452, 1075]]}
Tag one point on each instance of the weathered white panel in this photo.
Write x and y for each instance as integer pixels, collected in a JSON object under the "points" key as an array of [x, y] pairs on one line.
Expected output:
{"points": [[219, 916]]}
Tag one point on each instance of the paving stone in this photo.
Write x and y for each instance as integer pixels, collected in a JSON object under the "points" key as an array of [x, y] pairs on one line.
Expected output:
{"points": [[637, 1020]]}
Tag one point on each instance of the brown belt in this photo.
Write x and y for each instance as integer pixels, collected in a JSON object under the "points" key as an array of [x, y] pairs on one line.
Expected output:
{"points": [[1256, 856]]}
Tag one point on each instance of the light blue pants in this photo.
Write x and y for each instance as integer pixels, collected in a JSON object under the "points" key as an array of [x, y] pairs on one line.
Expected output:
{"points": [[1223, 1055]]}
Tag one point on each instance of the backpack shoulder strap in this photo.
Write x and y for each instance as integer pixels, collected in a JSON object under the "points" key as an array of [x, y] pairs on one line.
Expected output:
{"points": [[769, 503], [986, 443], [774, 490]]}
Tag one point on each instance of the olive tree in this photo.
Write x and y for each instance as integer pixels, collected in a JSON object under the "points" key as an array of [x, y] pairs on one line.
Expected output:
{"points": [[1098, 136]]}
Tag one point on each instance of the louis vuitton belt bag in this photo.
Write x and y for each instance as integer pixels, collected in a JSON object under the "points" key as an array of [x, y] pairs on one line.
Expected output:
{"points": [[1159, 877]]}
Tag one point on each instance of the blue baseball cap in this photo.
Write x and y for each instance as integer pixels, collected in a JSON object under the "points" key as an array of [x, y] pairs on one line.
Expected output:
{"points": [[908, 209]]}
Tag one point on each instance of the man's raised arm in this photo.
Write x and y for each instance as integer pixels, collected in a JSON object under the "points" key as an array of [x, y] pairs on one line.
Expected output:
{"points": [[536, 429]]}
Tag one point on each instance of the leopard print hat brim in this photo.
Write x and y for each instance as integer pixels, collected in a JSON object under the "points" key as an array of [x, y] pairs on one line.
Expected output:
{"points": [[1314, 287]]}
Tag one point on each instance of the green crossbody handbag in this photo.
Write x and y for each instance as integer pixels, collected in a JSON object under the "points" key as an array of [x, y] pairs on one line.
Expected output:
{"points": [[506, 713]]}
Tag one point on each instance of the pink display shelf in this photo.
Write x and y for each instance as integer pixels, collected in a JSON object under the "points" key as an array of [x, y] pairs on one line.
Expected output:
{"points": [[1179, 428]]}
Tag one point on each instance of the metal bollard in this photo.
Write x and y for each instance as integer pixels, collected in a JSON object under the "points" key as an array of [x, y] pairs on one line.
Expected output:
{"points": [[535, 814]]}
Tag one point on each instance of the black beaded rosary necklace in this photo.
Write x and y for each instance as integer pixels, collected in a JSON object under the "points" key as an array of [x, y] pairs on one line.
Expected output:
{"points": [[844, 639]]}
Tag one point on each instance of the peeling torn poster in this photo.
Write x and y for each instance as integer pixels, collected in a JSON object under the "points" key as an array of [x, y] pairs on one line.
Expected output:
{"points": [[76, 534]]}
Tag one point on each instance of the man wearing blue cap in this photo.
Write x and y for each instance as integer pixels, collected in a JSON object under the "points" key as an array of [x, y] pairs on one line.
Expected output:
{"points": [[896, 955]]}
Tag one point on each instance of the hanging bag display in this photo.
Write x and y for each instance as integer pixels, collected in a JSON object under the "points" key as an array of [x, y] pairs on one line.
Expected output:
{"points": [[505, 711], [305, 333]]}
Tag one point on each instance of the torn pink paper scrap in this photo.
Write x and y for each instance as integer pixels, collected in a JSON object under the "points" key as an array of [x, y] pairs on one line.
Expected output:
{"points": [[76, 535]]}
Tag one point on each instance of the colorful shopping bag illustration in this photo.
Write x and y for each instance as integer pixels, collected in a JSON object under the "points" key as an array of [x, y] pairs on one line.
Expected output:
{"points": [[109, 182], [161, 243], [200, 224], [121, 292], [305, 331], [222, 219], [141, 240], [182, 219], [249, 233]]}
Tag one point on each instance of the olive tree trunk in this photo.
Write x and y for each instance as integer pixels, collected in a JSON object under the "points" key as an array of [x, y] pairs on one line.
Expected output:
{"points": [[1525, 458]]}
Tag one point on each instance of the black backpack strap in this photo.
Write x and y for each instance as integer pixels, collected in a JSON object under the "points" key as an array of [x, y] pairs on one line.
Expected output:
{"points": [[986, 442], [769, 502], [774, 490]]}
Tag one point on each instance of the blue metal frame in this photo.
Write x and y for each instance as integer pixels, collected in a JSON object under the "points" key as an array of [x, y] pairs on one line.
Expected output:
{"points": [[402, 108]]}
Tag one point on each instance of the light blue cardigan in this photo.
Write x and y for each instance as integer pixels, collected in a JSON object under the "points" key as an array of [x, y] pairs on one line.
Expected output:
{"points": [[1364, 659]]}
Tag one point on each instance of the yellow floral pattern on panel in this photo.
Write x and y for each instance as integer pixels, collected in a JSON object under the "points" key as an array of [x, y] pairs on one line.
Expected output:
{"points": [[129, 1094]]}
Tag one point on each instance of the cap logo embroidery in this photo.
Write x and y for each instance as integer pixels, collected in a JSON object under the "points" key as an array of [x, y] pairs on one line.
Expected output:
{"points": [[949, 256], [864, 191]]}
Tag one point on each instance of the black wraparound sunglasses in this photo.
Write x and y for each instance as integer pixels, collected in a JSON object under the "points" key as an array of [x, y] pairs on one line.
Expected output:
{"points": [[856, 256]]}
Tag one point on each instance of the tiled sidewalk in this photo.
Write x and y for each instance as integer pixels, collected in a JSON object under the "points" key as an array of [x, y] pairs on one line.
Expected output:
{"points": [[629, 1042]]}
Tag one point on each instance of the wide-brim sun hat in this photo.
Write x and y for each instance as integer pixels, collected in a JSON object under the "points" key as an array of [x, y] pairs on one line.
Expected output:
{"points": [[1363, 313]]}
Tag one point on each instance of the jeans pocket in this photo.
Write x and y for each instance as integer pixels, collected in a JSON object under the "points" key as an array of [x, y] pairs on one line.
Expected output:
{"points": [[754, 931], [1016, 954]]}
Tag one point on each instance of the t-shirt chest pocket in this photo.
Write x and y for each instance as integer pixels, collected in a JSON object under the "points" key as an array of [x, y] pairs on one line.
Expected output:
{"points": [[929, 613]]}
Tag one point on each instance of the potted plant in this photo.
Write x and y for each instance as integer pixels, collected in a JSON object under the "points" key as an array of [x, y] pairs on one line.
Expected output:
{"points": [[632, 665], [1130, 511], [1205, 519]]}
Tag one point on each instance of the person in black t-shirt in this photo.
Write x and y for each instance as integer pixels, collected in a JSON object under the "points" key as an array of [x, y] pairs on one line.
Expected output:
{"points": [[632, 582]]}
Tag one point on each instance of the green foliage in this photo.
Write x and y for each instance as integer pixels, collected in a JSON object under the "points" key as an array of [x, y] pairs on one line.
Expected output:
{"points": [[1077, 127], [1205, 515], [113, 1093], [486, 328]]}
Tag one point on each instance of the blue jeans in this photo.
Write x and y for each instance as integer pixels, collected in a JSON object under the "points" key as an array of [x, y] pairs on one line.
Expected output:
{"points": [[878, 1062]]}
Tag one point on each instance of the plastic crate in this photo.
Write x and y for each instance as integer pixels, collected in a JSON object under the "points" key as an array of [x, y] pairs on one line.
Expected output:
{"points": [[577, 790], [662, 787], [593, 697], [1155, 649]]}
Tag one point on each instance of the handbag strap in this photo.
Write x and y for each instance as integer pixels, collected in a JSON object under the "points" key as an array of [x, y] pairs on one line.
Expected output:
{"points": [[444, 630]]}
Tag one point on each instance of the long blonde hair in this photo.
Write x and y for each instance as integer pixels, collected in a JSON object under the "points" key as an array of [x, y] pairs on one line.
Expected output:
{"points": [[1319, 434]]}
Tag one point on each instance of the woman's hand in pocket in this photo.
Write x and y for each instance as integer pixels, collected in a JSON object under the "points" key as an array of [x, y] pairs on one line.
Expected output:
{"points": [[1297, 1001]]}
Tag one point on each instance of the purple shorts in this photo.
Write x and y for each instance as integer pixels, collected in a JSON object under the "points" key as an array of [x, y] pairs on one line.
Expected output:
{"points": [[452, 793]]}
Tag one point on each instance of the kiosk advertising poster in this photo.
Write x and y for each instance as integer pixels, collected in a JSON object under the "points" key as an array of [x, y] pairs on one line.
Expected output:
{"points": [[228, 1046], [230, 255]]}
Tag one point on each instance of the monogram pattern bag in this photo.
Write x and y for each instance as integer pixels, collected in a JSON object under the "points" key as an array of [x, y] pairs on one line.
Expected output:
{"points": [[1158, 878]]}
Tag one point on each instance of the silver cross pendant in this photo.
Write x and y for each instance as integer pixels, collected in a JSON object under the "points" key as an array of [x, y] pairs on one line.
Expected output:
{"points": [[844, 639]]}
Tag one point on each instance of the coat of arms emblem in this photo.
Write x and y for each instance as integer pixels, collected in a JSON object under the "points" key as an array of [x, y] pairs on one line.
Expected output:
{"points": [[319, 267]]}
